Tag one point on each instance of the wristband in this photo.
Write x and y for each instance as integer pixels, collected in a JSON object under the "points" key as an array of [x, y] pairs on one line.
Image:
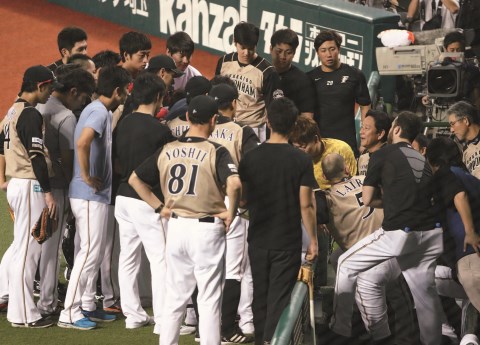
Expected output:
{"points": [[159, 208]]}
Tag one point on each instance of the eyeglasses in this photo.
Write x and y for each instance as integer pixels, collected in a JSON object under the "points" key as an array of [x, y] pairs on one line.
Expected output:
{"points": [[454, 122]]}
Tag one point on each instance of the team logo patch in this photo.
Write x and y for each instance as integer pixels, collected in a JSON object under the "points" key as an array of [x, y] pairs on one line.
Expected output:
{"points": [[344, 79], [233, 168], [277, 94], [37, 141]]}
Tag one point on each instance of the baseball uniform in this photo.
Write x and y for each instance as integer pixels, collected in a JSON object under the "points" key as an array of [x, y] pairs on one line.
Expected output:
{"points": [[471, 156], [29, 167], [410, 232], [257, 84], [192, 172]]}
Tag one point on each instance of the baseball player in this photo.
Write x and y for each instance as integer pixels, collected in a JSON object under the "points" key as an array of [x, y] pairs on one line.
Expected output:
{"points": [[410, 230], [139, 225], [71, 40], [278, 182], [134, 50], [90, 192], [24, 158], [60, 122], [256, 79], [180, 47], [192, 172], [238, 140], [464, 123], [350, 221]]}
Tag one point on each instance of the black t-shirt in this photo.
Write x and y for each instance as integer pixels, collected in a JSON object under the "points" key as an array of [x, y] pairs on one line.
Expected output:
{"points": [[136, 138], [407, 184], [297, 86], [336, 95], [273, 174]]}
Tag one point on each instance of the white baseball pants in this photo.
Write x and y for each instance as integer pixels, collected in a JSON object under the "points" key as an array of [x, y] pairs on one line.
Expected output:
{"points": [[195, 256], [416, 253], [49, 261], [4, 265], [139, 226], [27, 201], [91, 224]]}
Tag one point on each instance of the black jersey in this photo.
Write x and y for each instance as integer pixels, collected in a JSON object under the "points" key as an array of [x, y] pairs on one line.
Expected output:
{"points": [[336, 95]]}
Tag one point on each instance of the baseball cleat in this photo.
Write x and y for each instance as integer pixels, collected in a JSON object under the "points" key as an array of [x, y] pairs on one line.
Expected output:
{"points": [[83, 324], [44, 322]]}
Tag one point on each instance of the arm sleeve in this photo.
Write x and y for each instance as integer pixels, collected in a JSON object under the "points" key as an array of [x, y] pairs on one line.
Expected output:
{"points": [[29, 129], [224, 165], [218, 69], [97, 120], [362, 96], [271, 83], [374, 170], [66, 133], [148, 171], [308, 177], [250, 140]]}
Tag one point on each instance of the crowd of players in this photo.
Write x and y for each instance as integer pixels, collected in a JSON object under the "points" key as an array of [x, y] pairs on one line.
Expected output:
{"points": [[195, 191]]}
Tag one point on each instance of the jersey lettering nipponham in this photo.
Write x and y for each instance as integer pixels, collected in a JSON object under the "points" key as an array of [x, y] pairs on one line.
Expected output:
{"points": [[249, 82], [471, 158], [350, 219], [188, 179], [18, 163]]}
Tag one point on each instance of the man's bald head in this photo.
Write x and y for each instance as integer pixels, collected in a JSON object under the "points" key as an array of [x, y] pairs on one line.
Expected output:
{"points": [[333, 166]]}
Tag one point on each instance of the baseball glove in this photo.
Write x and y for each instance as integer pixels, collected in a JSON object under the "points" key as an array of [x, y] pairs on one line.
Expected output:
{"points": [[44, 227]]}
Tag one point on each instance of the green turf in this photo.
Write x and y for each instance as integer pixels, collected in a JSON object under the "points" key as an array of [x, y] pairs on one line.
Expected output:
{"points": [[108, 333]]}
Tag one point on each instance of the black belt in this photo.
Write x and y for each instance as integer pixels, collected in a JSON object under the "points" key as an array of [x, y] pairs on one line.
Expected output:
{"points": [[201, 220]]}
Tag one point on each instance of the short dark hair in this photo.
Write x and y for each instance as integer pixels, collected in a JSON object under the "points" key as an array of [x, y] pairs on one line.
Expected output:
{"points": [[73, 76], [223, 79], [80, 59], [327, 35], [132, 42], [285, 36], [246, 34], [444, 152], [464, 109], [453, 37], [305, 131], [180, 42], [410, 124], [282, 114], [422, 140], [382, 122], [106, 58], [110, 78], [70, 35], [147, 87]]}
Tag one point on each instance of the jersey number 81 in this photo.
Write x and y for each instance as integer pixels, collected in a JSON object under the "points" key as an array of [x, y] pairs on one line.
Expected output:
{"points": [[179, 179]]}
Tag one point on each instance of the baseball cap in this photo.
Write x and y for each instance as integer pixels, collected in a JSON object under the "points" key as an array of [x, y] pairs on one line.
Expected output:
{"points": [[223, 93], [41, 74], [164, 61], [202, 108], [196, 86]]}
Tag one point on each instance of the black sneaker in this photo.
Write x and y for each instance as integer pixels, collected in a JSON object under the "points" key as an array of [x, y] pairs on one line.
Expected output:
{"points": [[197, 336], [236, 338], [44, 322]]}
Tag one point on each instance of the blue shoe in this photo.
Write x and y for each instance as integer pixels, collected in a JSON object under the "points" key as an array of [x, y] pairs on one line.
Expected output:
{"points": [[82, 324], [99, 315]]}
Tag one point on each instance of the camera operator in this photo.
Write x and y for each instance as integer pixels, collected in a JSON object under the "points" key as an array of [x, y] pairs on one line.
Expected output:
{"points": [[454, 42]]}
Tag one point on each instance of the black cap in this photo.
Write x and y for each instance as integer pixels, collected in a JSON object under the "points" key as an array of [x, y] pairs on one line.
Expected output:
{"points": [[41, 74], [196, 86], [202, 108], [164, 61], [224, 93]]}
